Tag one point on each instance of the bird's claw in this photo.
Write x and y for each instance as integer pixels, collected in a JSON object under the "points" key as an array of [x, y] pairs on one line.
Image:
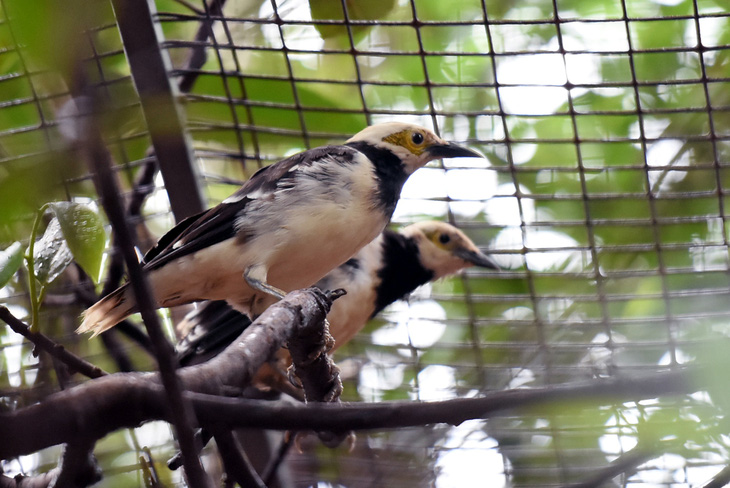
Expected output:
{"points": [[336, 390], [333, 295], [291, 374]]}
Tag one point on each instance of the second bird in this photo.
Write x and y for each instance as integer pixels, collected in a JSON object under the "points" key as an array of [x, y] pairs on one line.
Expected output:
{"points": [[390, 267], [286, 227]]}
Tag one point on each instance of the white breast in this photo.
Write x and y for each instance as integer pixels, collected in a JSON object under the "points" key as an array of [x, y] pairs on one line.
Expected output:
{"points": [[351, 312]]}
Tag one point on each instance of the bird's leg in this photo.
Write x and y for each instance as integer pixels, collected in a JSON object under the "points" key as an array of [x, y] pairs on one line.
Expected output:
{"points": [[255, 276]]}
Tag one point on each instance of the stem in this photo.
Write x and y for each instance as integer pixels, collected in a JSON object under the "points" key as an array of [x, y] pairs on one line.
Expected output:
{"points": [[29, 261]]}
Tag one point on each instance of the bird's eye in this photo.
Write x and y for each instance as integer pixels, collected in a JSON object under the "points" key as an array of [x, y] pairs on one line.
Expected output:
{"points": [[417, 138], [444, 238]]}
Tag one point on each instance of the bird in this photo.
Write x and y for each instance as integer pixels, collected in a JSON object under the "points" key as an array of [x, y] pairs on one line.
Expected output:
{"points": [[391, 266], [289, 225]]}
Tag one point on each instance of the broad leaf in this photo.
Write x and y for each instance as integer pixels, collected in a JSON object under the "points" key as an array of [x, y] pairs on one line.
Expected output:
{"points": [[84, 232], [10, 261], [51, 254]]}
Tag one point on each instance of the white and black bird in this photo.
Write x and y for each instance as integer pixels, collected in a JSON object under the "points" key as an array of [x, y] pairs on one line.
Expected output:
{"points": [[387, 269], [290, 224]]}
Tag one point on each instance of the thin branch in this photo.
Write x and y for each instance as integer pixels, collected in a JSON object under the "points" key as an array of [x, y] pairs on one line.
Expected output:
{"points": [[719, 480], [202, 438], [99, 161], [624, 464], [236, 463], [152, 479], [42, 342], [199, 53], [273, 467]]}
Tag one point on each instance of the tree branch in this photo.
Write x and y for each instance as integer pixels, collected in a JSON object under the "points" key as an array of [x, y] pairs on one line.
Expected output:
{"points": [[78, 466], [99, 161], [719, 480], [199, 52], [237, 465], [99, 407], [128, 399], [624, 464], [75, 363]]}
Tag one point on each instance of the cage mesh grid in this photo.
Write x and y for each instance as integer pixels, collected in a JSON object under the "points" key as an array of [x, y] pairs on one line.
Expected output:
{"points": [[627, 285]]}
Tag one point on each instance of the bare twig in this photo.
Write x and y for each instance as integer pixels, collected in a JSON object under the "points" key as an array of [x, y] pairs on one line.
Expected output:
{"points": [[152, 480], [75, 363], [199, 53], [143, 186], [202, 438], [719, 480], [236, 463], [182, 417], [624, 464], [273, 467]]}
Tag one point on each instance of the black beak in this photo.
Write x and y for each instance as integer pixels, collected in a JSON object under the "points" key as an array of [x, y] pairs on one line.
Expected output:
{"points": [[476, 258], [451, 150]]}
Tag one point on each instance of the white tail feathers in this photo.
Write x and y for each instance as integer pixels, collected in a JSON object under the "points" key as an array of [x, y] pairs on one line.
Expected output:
{"points": [[108, 312]]}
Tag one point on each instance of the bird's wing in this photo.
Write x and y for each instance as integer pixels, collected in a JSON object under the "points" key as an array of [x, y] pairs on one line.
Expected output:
{"points": [[170, 237], [214, 226], [219, 223]]}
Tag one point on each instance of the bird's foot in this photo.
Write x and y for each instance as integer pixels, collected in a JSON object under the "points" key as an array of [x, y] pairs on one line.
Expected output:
{"points": [[291, 374], [259, 282]]}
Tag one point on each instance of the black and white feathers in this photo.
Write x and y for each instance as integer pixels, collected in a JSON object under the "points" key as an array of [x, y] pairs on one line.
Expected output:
{"points": [[286, 227], [388, 268]]}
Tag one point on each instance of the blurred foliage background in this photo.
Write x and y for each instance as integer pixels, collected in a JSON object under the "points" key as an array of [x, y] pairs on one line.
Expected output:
{"points": [[605, 127]]}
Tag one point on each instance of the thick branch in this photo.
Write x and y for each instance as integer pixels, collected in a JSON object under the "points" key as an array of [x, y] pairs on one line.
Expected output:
{"points": [[128, 399], [77, 468], [120, 400]]}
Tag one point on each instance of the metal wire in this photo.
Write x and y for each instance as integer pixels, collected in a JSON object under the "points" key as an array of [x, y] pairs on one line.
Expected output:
{"points": [[620, 293]]}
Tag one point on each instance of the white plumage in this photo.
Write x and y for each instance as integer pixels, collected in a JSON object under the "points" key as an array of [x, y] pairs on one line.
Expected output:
{"points": [[286, 227], [388, 268]]}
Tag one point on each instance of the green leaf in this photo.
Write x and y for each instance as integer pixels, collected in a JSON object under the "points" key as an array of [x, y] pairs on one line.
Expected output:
{"points": [[10, 261], [84, 233], [51, 254]]}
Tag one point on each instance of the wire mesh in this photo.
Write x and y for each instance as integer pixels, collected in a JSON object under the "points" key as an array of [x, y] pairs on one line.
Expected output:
{"points": [[605, 131]]}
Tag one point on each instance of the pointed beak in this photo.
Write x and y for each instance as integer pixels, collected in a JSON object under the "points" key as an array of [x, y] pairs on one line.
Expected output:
{"points": [[476, 258], [451, 150]]}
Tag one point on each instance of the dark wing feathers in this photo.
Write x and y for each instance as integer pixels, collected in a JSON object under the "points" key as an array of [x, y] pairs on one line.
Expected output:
{"points": [[218, 224], [170, 237], [214, 226]]}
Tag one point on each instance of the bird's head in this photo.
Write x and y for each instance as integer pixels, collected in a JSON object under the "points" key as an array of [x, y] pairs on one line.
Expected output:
{"points": [[444, 249], [414, 145]]}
